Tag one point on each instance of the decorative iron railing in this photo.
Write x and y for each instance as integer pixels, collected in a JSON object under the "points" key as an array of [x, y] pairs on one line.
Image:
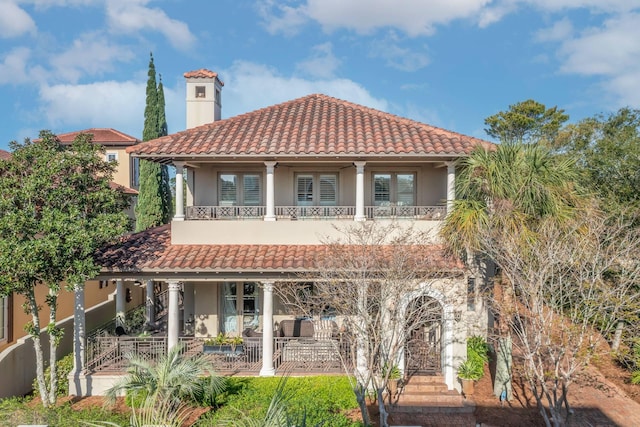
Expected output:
{"points": [[110, 354], [315, 212]]}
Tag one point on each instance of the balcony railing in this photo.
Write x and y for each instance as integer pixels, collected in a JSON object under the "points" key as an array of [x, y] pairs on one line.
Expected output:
{"points": [[315, 212]]}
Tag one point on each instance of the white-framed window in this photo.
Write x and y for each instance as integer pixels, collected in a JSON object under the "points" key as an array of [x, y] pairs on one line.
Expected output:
{"points": [[240, 307], [394, 188], [111, 157], [135, 172], [316, 189], [239, 189]]}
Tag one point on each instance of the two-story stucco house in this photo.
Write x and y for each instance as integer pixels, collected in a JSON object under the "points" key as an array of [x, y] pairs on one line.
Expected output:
{"points": [[261, 189]]}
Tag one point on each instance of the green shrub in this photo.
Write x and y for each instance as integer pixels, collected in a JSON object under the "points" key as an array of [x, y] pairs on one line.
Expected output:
{"points": [[64, 367], [477, 347], [17, 411], [323, 399], [635, 377]]}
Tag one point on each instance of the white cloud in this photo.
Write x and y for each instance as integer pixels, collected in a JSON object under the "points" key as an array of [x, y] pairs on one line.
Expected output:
{"points": [[14, 21], [611, 52], [606, 6], [91, 54], [397, 56], [13, 68], [249, 86], [130, 16], [414, 17], [559, 31], [281, 18], [322, 63], [119, 105]]}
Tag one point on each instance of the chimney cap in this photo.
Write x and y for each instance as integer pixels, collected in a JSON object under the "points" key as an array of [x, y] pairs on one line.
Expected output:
{"points": [[203, 73]]}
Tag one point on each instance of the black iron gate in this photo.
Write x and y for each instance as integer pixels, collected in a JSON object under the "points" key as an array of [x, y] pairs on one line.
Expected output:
{"points": [[424, 337]]}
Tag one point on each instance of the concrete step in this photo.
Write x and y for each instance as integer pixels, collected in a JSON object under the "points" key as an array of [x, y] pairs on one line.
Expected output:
{"points": [[466, 408], [424, 388], [428, 379]]}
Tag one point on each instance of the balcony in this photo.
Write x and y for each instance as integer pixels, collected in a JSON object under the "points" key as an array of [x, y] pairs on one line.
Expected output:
{"points": [[292, 213]]}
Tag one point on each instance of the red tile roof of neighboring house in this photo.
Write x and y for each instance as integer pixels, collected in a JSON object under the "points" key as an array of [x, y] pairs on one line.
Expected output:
{"points": [[202, 73], [102, 136], [315, 125], [152, 251], [5, 155], [126, 190]]}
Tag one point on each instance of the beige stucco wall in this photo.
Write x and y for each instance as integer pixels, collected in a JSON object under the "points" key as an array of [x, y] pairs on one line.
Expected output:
{"points": [[122, 175], [283, 232]]}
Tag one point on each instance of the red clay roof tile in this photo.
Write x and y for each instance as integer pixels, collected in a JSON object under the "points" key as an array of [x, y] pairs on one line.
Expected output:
{"points": [[152, 251], [5, 155], [202, 73], [316, 125], [102, 136]]}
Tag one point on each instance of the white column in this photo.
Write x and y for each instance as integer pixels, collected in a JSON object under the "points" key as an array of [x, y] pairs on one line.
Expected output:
{"points": [[267, 331], [271, 192], [120, 304], [151, 304], [179, 216], [173, 327], [451, 185], [79, 341], [359, 191]]}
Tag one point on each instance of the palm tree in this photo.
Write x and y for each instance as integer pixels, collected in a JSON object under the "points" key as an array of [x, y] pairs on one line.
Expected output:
{"points": [[511, 187], [173, 377]]}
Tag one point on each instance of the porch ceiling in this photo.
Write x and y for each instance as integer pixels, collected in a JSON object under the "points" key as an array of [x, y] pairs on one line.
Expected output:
{"points": [[151, 251]]}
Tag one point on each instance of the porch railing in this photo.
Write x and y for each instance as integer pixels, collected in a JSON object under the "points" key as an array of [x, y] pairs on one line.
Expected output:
{"points": [[315, 212], [109, 354]]}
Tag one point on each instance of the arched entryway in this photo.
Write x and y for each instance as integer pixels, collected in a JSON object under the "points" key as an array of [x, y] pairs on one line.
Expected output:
{"points": [[424, 329]]}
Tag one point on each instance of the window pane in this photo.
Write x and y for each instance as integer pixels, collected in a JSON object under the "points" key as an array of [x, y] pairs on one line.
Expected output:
{"points": [[328, 195], [304, 189], [405, 190], [251, 190], [382, 189], [228, 189]]}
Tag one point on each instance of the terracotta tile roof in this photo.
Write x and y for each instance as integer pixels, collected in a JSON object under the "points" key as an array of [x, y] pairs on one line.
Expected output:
{"points": [[126, 190], [152, 251], [316, 125], [202, 73], [102, 136], [5, 155]]}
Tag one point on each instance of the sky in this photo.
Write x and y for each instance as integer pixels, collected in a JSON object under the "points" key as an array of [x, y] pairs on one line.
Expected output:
{"points": [[68, 65]]}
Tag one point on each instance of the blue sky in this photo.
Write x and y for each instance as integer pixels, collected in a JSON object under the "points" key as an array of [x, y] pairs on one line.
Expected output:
{"points": [[68, 65]]}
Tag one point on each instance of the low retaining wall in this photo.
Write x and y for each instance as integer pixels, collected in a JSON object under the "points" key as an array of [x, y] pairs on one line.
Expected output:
{"points": [[18, 362]]}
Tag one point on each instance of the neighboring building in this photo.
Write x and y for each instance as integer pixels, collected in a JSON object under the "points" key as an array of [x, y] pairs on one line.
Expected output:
{"points": [[98, 293], [261, 188]]}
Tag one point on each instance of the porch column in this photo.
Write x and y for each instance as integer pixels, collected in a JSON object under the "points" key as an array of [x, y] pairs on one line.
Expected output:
{"points": [[451, 185], [270, 188], [120, 304], [79, 341], [359, 191], [179, 216], [173, 326], [151, 304], [267, 331]]}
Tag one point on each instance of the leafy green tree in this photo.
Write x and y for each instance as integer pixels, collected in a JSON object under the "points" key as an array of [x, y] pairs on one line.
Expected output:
{"points": [[154, 199], [56, 210], [527, 121], [607, 148]]}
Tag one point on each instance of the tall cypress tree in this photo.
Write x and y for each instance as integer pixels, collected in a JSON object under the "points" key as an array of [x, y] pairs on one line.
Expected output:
{"points": [[165, 188], [153, 207]]}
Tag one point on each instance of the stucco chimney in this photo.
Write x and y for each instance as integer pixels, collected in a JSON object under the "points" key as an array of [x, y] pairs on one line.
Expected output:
{"points": [[204, 98]]}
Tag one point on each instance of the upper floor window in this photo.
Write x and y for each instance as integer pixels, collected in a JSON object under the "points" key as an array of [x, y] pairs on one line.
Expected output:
{"points": [[316, 189], [111, 157], [217, 97], [135, 172], [394, 188], [239, 189], [200, 91]]}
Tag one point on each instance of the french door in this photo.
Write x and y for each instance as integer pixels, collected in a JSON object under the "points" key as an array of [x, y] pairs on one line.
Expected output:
{"points": [[240, 307]]}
